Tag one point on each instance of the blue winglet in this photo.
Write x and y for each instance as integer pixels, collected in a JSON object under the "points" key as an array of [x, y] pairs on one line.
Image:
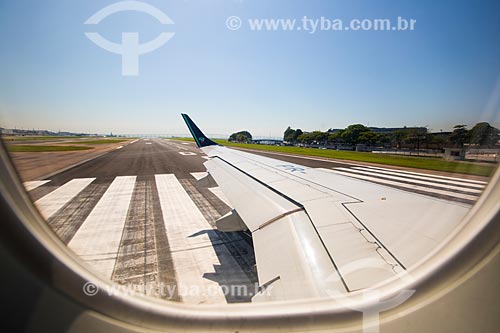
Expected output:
{"points": [[199, 137]]}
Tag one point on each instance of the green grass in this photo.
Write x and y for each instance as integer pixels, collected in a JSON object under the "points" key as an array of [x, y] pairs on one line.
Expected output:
{"points": [[403, 161], [98, 142], [182, 139], [33, 148], [37, 138]]}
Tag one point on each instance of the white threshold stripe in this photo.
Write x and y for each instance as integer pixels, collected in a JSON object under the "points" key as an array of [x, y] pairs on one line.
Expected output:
{"points": [[422, 176], [57, 199], [415, 181], [409, 186], [192, 252], [357, 164], [219, 194], [98, 239], [433, 176], [326, 159], [34, 184]]}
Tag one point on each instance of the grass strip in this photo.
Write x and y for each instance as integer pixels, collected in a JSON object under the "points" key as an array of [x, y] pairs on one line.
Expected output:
{"points": [[97, 142], [36, 138], [36, 148]]}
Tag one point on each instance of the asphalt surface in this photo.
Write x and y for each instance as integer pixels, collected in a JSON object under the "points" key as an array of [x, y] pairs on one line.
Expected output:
{"points": [[144, 255], [138, 216]]}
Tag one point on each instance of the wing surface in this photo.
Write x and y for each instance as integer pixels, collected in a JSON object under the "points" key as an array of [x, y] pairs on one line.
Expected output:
{"points": [[317, 233]]}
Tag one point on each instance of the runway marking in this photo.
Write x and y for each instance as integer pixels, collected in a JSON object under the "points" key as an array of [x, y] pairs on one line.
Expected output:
{"points": [[55, 200], [137, 262], [68, 219], [119, 147], [430, 175], [199, 175], [355, 164], [148, 143], [192, 252], [298, 156], [98, 239], [187, 153], [422, 176], [34, 184], [185, 143], [236, 266], [208, 211], [206, 157], [409, 186], [219, 194], [415, 181]]}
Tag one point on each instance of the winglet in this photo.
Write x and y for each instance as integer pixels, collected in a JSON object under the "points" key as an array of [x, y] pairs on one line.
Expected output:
{"points": [[199, 137]]}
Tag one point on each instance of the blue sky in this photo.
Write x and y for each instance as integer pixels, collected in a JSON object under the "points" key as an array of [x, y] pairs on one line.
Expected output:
{"points": [[446, 72]]}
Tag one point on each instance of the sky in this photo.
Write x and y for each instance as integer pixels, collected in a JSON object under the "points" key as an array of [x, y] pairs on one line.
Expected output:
{"points": [[444, 73]]}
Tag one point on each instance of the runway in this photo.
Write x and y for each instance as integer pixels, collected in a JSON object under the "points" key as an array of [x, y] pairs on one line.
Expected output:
{"points": [[138, 216]]}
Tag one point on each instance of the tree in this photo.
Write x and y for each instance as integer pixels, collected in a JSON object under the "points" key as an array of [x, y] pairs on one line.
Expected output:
{"points": [[351, 134], [415, 136], [335, 137], [438, 140], [412, 135], [483, 134], [369, 138], [459, 136], [288, 135], [291, 135], [399, 137], [384, 139], [303, 138], [242, 136], [298, 132]]}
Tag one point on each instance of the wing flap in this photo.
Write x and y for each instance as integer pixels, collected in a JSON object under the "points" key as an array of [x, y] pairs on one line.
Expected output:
{"points": [[253, 201], [289, 250]]}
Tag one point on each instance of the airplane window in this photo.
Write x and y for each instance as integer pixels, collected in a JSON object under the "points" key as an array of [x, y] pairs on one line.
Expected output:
{"points": [[250, 153]]}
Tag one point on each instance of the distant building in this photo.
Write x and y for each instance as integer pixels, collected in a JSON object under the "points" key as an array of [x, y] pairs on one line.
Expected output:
{"points": [[268, 141], [36, 132], [383, 130], [6, 131], [389, 130]]}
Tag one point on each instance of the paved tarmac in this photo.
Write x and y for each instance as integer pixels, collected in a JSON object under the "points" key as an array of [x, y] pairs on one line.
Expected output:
{"points": [[138, 216]]}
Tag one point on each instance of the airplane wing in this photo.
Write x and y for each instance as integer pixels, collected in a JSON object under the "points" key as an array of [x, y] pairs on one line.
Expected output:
{"points": [[317, 233]]}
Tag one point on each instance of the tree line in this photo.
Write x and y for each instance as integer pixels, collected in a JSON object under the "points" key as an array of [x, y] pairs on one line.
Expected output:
{"points": [[482, 134]]}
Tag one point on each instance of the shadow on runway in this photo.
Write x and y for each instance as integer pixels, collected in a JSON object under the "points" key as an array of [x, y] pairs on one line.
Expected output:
{"points": [[236, 274]]}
